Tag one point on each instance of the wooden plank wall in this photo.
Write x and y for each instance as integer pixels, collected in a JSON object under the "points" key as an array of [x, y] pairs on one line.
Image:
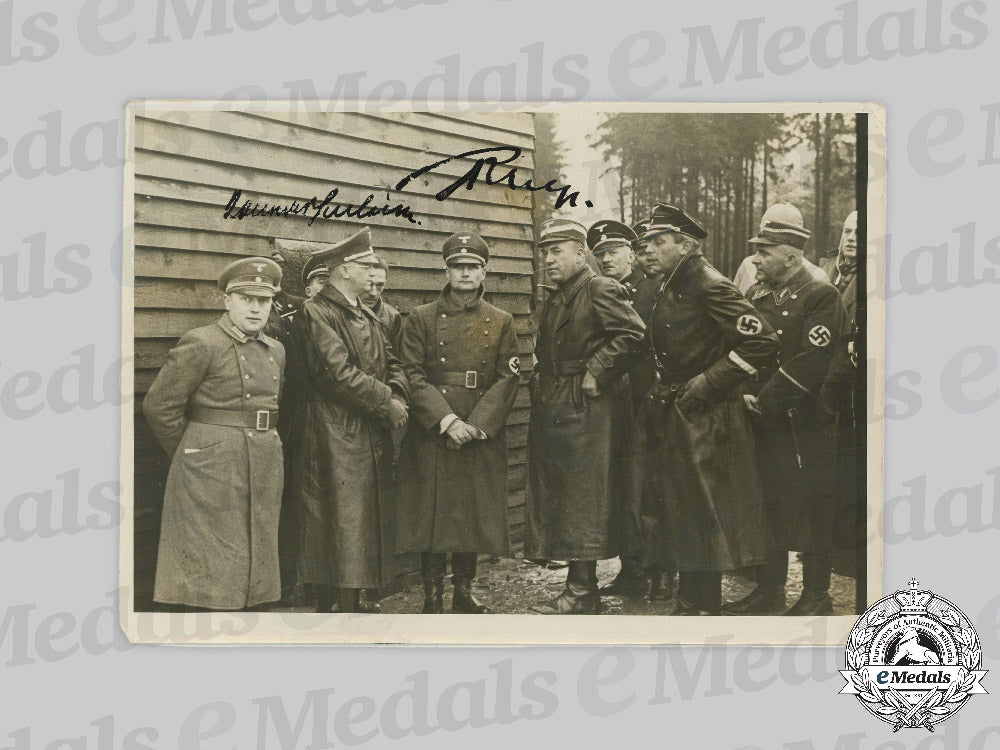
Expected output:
{"points": [[187, 164]]}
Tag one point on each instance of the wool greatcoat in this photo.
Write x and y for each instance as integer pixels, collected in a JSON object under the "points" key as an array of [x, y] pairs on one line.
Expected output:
{"points": [[343, 460], [456, 500], [706, 340], [574, 492], [219, 533], [798, 431]]}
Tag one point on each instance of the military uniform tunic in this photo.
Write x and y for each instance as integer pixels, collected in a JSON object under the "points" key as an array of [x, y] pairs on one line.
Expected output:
{"points": [[574, 491], [219, 533], [460, 360], [797, 452], [706, 340]]}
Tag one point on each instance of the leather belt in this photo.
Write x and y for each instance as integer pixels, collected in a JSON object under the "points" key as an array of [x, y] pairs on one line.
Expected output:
{"points": [[467, 379], [566, 368], [263, 419]]}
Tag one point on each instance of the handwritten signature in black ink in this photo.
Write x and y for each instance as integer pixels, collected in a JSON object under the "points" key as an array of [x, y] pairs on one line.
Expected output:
{"points": [[318, 209], [475, 172]]}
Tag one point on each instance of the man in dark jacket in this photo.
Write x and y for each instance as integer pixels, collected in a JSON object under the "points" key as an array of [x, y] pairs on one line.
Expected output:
{"points": [[796, 430], [587, 334], [705, 340], [355, 393], [460, 354], [389, 317]]}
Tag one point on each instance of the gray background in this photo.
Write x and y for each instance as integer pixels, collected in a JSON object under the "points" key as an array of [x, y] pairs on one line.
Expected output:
{"points": [[67, 72]]}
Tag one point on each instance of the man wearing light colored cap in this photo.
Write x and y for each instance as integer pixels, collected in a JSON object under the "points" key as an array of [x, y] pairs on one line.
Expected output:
{"points": [[587, 334], [460, 354], [796, 431], [779, 218], [214, 409], [355, 393]]}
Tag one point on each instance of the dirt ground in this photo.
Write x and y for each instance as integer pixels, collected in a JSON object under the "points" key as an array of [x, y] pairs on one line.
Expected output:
{"points": [[510, 586]]}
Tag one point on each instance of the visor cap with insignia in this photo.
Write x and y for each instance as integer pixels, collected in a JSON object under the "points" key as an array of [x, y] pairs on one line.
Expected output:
{"points": [[355, 249], [466, 247], [559, 230], [667, 218], [312, 268], [260, 277], [782, 224], [640, 228], [605, 235]]}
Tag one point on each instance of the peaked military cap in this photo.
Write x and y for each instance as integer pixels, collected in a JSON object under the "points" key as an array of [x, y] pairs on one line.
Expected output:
{"points": [[640, 228], [260, 277], [558, 230], [782, 224], [314, 267], [466, 248], [355, 249], [667, 218], [604, 235]]}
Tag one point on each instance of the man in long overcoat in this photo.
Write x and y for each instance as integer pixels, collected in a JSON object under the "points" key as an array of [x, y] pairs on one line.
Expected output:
{"points": [[214, 409], [705, 340], [797, 431], [587, 334], [355, 393], [460, 355]]}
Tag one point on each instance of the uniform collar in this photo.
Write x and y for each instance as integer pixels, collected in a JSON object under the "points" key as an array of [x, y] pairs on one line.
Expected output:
{"points": [[448, 301], [574, 284], [235, 333], [783, 293]]}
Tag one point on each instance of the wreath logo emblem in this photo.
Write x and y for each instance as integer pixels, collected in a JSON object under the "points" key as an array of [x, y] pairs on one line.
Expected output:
{"points": [[913, 659]]}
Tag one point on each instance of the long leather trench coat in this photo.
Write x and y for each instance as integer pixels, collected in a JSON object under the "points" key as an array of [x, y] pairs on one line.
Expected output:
{"points": [[456, 500], [342, 462], [574, 442], [219, 532], [706, 340], [798, 431]]}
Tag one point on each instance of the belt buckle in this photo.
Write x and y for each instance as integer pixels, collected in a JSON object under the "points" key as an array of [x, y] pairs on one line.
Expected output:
{"points": [[263, 420], [471, 379]]}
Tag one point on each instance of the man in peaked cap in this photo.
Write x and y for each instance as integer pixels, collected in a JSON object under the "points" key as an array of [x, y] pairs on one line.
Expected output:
{"points": [[315, 274], [392, 321], [355, 394], [460, 354], [706, 341], [780, 219], [214, 409], [611, 242], [796, 430], [587, 333]]}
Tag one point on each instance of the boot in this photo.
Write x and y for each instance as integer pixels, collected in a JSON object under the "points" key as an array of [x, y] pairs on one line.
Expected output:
{"points": [[463, 572], [580, 597], [812, 604], [325, 598], [660, 586], [369, 602], [629, 582], [700, 593], [348, 599], [763, 600], [432, 565]]}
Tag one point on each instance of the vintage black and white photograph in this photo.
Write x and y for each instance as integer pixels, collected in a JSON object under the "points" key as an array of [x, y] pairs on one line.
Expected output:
{"points": [[572, 373]]}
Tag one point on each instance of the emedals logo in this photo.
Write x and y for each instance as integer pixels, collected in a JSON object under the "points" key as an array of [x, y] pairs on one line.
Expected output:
{"points": [[913, 659]]}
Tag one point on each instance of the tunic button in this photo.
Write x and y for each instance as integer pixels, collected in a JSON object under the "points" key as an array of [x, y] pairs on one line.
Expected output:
{"points": [[487, 320], [243, 357], [444, 359], [275, 377], [444, 315], [780, 332], [246, 377], [271, 358], [444, 390], [486, 333], [795, 296], [440, 343], [784, 312], [246, 395], [274, 398], [249, 434]]}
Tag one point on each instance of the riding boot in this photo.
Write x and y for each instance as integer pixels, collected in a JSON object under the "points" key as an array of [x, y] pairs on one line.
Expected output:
{"points": [[463, 572], [768, 598], [699, 593], [348, 599], [660, 586], [432, 565], [325, 598], [815, 600], [581, 595], [630, 580]]}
